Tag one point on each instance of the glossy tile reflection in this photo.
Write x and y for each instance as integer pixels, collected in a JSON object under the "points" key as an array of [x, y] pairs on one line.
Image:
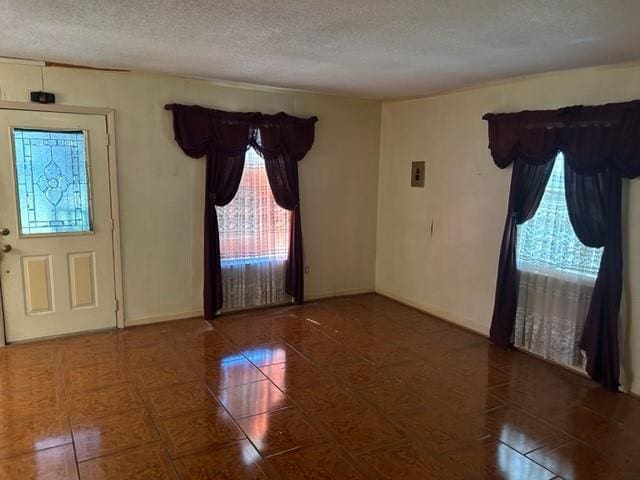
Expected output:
{"points": [[350, 388], [56, 463]]}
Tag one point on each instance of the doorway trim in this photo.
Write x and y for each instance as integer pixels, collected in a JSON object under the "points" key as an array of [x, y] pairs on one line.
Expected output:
{"points": [[109, 116]]}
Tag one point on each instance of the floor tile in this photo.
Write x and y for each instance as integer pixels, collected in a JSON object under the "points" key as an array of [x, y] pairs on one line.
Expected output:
{"points": [[150, 462], [107, 435], [465, 398], [108, 337], [365, 428], [238, 461], [248, 333], [19, 436], [486, 353], [421, 323], [28, 355], [207, 347], [325, 353], [56, 463], [541, 374], [396, 311], [15, 379], [408, 462], [353, 387], [497, 461], [573, 460], [103, 401], [393, 396], [459, 338], [35, 402], [198, 431], [150, 355], [278, 431], [143, 336], [383, 353], [623, 409], [315, 462], [188, 327], [221, 375], [440, 429], [162, 375], [297, 372], [471, 371], [304, 333], [252, 399], [270, 354], [91, 354], [358, 374], [91, 377], [585, 425], [521, 431], [178, 399], [432, 351], [324, 397]]}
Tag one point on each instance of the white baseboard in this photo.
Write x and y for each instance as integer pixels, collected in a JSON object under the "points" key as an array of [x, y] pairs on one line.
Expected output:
{"points": [[133, 322], [466, 323], [338, 293]]}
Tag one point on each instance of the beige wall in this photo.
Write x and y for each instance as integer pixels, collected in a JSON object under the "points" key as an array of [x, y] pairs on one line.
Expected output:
{"points": [[161, 189], [452, 273]]}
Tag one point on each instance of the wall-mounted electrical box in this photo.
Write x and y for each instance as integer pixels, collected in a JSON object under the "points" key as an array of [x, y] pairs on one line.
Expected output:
{"points": [[43, 97], [417, 174]]}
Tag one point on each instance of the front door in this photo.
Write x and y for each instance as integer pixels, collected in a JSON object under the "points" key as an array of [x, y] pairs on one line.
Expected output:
{"points": [[56, 245]]}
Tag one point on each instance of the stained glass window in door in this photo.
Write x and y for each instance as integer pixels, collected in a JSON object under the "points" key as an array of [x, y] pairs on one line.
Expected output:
{"points": [[51, 172]]}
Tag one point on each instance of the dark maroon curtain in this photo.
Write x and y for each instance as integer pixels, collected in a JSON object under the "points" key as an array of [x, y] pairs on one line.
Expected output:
{"points": [[224, 138], [283, 141], [600, 144], [594, 204], [528, 183]]}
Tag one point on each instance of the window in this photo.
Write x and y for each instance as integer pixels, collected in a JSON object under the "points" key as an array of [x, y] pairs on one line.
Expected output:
{"points": [[254, 241], [557, 274], [52, 182], [547, 242], [253, 228]]}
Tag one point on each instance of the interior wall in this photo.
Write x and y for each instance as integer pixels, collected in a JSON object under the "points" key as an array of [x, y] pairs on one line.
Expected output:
{"points": [[162, 190], [438, 246]]}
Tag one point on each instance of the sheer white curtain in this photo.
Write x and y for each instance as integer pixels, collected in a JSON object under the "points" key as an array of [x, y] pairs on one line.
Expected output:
{"points": [[557, 274], [254, 242]]}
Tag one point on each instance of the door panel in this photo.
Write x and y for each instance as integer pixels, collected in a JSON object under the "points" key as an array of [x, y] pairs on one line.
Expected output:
{"points": [[37, 284], [81, 272], [58, 276]]}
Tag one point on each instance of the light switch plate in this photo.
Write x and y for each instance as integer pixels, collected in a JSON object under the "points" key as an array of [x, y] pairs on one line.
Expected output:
{"points": [[417, 174]]}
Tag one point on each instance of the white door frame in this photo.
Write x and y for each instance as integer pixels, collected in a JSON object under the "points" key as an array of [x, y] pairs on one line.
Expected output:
{"points": [[109, 115]]}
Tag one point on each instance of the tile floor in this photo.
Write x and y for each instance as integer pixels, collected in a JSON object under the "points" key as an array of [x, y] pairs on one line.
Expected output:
{"points": [[351, 388]]}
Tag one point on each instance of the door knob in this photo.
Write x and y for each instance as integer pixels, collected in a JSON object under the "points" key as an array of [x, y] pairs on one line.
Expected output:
{"points": [[6, 248], [4, 231]]}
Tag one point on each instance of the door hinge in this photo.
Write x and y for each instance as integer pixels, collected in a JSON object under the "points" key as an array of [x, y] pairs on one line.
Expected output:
{"points": [[117, 305], [108, 139], [112, 224]]}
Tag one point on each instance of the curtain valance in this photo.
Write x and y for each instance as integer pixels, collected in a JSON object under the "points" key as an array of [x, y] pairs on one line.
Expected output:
{"points": [[592, 138], [200, 131]]}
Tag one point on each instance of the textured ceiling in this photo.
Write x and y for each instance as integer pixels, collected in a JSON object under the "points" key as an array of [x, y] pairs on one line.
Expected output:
{"points": [[368, 48]]}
